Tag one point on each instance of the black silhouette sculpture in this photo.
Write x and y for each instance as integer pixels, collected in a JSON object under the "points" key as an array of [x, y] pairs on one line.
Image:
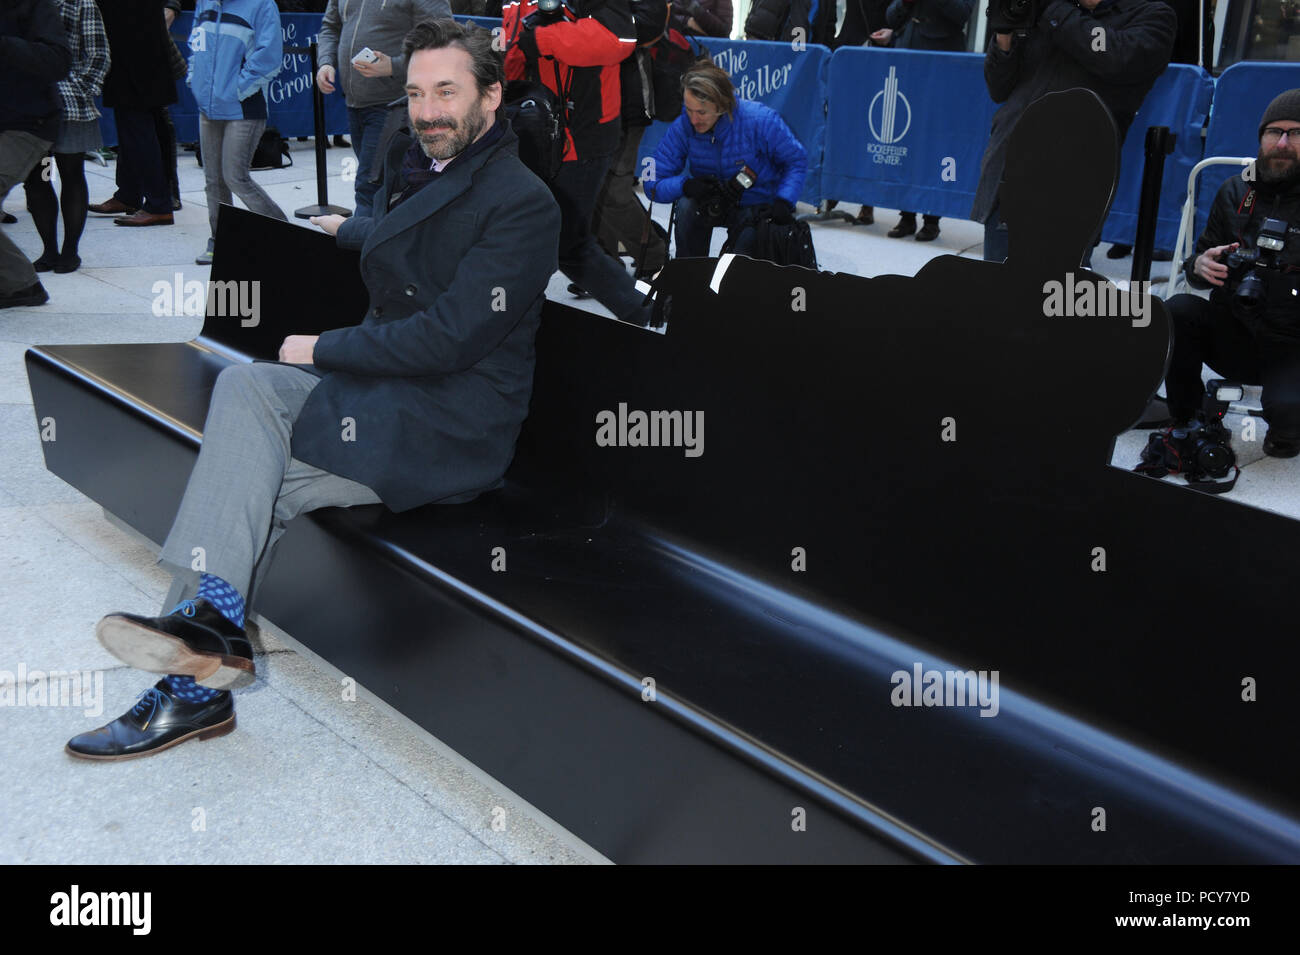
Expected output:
{"points": [[825, 399]]}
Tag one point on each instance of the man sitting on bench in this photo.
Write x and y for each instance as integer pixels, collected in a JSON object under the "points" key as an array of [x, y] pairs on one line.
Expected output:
{"points": [[421, 402]]}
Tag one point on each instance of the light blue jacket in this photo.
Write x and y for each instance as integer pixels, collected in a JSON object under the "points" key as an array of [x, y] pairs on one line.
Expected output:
{"points": [[235, 52]]}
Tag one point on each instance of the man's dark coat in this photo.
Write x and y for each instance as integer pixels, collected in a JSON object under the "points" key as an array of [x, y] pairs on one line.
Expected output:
{"points": [[423, 401], [1117, 51], [140, 77]]}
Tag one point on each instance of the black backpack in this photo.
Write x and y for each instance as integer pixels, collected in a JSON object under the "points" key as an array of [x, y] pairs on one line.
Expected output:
{"points": [[762, 238], [766, 19], [271, 151], [536, 117], [673, 56]]}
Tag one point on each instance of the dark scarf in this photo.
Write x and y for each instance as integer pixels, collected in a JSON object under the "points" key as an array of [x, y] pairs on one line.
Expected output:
{"points": [[417, 168]]}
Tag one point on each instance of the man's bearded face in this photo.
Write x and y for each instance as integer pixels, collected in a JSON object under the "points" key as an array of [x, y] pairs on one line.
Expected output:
{"points": [[1279, 159], [449, 135]]}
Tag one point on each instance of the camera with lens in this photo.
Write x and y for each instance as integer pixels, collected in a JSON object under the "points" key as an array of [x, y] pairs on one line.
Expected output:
{"points": [[1201, 451], [1248, 268], [718, 205], [547, 12], [1013, 16]]}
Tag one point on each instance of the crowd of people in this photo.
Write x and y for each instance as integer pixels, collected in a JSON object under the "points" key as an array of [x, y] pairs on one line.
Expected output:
{"points": [[437, 375]]}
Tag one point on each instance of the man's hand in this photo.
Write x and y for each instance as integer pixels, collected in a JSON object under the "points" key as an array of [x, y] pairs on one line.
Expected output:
{"points": [[1207, 266], [383, 66], [527, 42], [782, 212], [1003, 41], [325, 79], [883, 36], [298, 349], [328, 224]]}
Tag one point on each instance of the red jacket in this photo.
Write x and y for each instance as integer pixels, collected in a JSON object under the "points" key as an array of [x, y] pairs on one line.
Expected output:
{"points": [[587, 51]]}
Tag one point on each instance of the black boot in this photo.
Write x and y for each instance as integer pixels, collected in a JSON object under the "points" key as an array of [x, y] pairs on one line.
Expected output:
{"points": [[906, 226], [929, 230], [158, 721]]}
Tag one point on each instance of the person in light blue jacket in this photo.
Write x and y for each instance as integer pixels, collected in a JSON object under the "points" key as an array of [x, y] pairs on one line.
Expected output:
{"points": [[236, 51], [744, 162]]}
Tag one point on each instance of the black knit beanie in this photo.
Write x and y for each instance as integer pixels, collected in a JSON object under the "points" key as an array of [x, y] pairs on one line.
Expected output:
{"points": [[1286, 106]]}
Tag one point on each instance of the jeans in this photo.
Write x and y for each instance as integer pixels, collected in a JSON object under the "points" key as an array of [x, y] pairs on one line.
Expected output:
{"points": [[1211, 335], [19, 152], [365, 125], [995, 237], [228, 146], [694, 230], [997, 245]]}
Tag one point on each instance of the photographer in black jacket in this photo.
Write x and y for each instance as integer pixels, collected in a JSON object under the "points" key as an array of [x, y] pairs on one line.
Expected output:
{"points": [[1251, 343], [1116, 48]]}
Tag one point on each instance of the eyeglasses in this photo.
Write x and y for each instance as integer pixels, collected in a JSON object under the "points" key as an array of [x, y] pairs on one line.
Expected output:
{"points": [[1272, 134]]}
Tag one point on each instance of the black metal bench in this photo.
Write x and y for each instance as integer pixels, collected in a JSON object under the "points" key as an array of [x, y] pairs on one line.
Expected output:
{"points": [[768, 732]]}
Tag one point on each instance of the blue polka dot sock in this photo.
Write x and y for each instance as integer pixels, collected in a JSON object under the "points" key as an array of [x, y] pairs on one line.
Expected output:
{"points": [[184, 688], [222, 596]]}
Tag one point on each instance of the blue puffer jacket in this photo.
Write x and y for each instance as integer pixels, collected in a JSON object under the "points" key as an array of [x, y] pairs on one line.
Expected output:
{"points": [[236, 50], [755, 135]]}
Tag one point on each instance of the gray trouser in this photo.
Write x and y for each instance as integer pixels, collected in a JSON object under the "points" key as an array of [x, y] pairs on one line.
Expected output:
{"points": [[19, 152], [245, 486], [228, 146]]}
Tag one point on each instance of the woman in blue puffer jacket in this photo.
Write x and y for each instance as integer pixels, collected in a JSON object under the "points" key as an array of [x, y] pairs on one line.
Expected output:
{"points": [[236, 50], [727, 143]]}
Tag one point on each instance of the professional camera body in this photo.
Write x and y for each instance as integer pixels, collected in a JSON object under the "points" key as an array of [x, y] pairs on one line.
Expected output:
{"points": [[1013, 16], [1248, 268], [1202, 451], [718, 204], [547, 12]]}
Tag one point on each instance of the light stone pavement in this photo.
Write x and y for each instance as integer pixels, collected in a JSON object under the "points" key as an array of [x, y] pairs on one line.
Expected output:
{"points": [[307, 778]]}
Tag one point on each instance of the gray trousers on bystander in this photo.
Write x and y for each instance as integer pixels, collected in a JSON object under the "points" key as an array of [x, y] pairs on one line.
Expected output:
{"points": [[228, 146]]}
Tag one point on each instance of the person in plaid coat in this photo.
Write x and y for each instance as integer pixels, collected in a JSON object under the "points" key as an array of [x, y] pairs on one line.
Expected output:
{"points": [[78, 132]]}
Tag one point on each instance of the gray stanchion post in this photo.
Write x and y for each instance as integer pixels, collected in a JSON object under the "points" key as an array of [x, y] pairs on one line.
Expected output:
{"points": [[322, 207]]}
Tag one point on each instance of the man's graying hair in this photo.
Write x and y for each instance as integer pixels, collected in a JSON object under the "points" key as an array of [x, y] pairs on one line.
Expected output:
{"points": [[487, 64]]}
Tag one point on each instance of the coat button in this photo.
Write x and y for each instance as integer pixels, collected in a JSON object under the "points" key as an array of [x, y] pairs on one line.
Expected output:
{"points": [[409, 290]]}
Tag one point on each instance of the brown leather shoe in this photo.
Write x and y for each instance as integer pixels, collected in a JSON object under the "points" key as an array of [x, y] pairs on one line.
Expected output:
{"points": [[111, 207], [141, 217]]}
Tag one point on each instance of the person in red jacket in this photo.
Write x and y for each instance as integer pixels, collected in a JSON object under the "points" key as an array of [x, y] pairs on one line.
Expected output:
{"points": [[575, 50]]}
